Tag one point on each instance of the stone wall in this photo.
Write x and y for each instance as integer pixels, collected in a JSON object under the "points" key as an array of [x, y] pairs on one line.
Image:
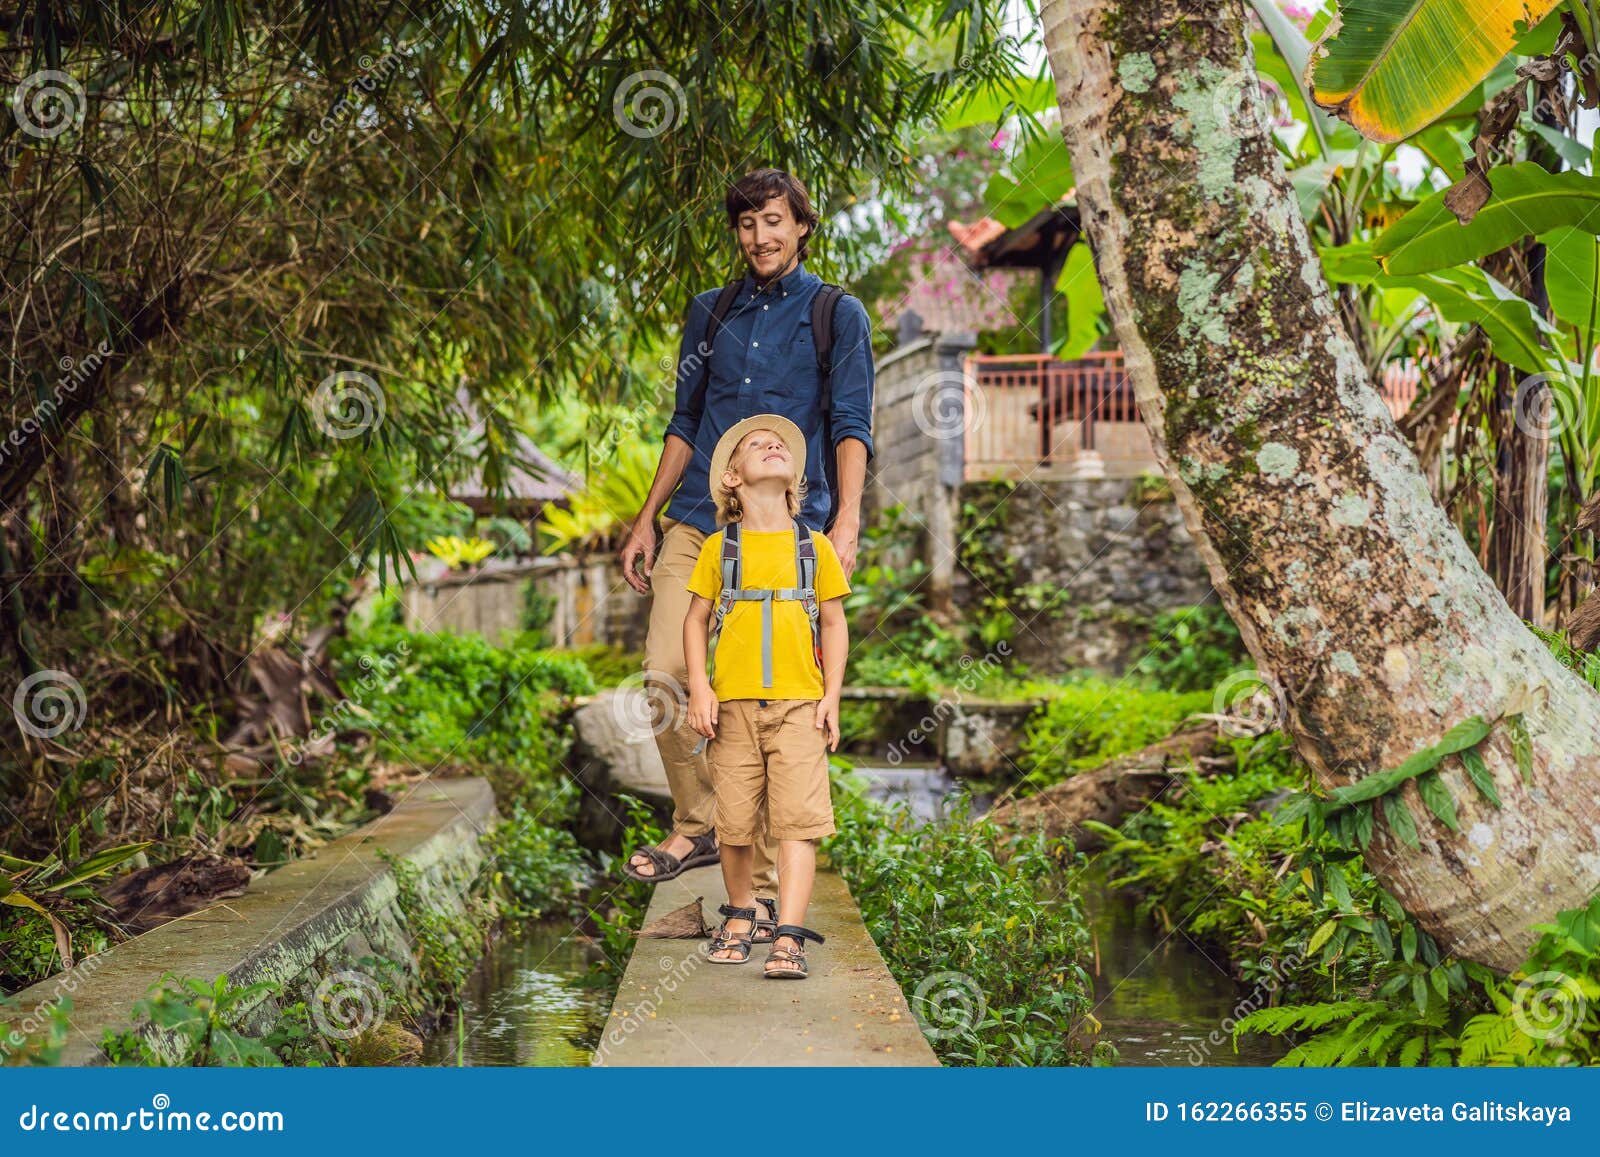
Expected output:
{"points": [[917, 436], [1117, 552], [586, 600]]}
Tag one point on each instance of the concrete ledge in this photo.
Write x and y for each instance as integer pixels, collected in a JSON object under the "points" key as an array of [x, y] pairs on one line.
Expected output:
{"points": [[294, 926], [675, 1008]]}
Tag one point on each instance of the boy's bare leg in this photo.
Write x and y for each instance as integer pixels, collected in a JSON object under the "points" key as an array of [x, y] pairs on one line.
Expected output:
{"points": [[736, 863], [797, 865]]}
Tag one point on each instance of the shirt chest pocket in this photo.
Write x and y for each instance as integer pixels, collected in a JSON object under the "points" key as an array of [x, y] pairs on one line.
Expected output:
{"points": [[794, 390]]}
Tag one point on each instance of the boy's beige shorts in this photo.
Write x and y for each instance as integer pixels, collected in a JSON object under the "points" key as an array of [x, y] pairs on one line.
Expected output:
{"points": [[778, 751]]}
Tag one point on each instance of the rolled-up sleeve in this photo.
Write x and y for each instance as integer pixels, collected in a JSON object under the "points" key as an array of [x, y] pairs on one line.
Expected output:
{"points": [[853, 375], [691, 401]]}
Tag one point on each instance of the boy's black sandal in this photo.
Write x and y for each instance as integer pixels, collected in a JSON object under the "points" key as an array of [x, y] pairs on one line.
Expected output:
{"points": [[795, 956], [668, 866], [766, 930], [725, 940]]}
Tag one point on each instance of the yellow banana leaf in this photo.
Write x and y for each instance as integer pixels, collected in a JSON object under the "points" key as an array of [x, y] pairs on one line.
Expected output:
{"points": [[1392, 67]]}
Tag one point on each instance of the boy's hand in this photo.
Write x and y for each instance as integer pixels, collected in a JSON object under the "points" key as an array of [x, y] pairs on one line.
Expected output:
{"points": [[828, 720], [703, 711]]}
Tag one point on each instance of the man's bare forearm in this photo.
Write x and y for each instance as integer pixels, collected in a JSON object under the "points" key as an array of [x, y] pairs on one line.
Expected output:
{"points": [[675, 456], [851, 456]]}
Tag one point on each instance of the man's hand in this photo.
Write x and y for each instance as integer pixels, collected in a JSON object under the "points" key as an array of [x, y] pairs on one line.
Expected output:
{"points": [[640, 546], [844, 534], [828, 720], [703, 710]]}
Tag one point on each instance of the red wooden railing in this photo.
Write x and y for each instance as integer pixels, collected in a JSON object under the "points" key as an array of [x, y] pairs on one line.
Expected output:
{"points": [[1033, 410]]}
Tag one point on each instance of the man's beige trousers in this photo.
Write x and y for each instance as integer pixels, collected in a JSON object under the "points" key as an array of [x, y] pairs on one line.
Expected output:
{"points": [[688, 775]]}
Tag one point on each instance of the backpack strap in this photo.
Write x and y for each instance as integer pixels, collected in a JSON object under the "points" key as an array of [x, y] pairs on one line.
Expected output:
{"points": [[824, 305], [719, 310], [732, 576], [805, 573]]}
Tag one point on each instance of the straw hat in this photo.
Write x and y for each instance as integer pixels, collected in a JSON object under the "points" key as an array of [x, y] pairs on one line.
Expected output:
{"points": [[739, 431]]}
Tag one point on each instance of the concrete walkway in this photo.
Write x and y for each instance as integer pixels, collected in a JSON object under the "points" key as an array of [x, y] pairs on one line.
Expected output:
{"points": [[308, 920], [674, 1007]]}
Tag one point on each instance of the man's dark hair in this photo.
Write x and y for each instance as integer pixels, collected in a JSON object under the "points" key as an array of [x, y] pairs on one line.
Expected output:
{"points": [[753, 190]]}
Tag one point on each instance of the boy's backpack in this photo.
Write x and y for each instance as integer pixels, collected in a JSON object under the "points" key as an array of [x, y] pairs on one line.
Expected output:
{"points": [[823, 308], [733, 591]]}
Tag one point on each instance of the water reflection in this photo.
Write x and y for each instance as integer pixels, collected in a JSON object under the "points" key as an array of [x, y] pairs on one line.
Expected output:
{"points": [[526, 1004]]}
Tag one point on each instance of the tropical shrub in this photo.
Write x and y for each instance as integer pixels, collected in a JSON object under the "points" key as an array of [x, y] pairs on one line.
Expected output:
{"points": [[1089, 720], [984, 932]]}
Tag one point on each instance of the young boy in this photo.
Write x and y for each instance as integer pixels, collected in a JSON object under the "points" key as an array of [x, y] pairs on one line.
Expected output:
{"points": [[771, 708]]}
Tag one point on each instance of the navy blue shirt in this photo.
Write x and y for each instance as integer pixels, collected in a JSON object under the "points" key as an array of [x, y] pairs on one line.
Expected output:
{"points": [[765, 362]]}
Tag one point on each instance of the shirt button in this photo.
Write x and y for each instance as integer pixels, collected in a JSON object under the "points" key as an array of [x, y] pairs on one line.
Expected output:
{"points": [[764, 307], [755, 345], [747, 381]]}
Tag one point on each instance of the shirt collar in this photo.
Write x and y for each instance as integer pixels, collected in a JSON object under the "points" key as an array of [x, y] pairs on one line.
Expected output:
{"points": [[792, 282]]}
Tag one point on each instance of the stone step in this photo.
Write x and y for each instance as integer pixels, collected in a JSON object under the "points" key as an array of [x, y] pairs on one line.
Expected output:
{"points": [[674, 1007]]}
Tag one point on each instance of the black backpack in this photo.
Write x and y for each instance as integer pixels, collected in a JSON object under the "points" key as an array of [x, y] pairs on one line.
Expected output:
{"points": [[823, 308]]}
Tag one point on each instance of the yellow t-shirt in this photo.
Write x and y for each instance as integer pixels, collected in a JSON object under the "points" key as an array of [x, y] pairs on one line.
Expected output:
{"points": [[769, 564]]}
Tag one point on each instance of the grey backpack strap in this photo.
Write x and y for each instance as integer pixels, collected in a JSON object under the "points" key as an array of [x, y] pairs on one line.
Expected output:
{"points": [[732, 576], [805, 573]]}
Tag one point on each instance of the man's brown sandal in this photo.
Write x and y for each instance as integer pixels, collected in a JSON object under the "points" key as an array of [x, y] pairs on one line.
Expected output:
{"points": [[668, 866], [731, 941], [795, 956], [766, 930]]}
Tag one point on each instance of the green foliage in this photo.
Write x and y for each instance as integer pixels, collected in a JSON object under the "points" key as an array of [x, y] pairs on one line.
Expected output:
{"points": [[599, 513], [894, 639], [609, 665], [25, 1043], [540, 869], [197, 1024], [447, 937], [621, 912], [1545, 1013], [1191, 648], [1089, 720], [457, 699], [985, 934]]}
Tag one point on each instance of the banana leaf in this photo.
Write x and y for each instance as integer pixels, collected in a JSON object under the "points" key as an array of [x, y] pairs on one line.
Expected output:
{"points": [[1525, 199], [1391, 69]]}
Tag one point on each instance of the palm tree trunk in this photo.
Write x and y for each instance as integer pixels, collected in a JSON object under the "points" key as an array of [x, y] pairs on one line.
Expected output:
{"points": [[1355, 594]]}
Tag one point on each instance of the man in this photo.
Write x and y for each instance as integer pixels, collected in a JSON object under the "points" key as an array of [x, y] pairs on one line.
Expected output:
{"points": [[762, 360]]}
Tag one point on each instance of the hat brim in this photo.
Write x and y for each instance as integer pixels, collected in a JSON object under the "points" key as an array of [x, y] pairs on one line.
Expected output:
{"points": [[729, 442]]}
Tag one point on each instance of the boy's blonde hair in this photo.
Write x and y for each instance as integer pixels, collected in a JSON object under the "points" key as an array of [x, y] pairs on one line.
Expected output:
{"points": [[730, 509]]}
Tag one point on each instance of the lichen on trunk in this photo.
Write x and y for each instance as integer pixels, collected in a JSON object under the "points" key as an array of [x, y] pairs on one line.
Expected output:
{"points": [[1357, 597]]}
